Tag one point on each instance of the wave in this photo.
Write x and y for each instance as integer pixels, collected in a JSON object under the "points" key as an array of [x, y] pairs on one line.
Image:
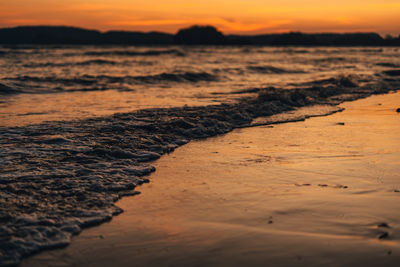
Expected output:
{"points": [[94, 62], [279, 50], [271, 70], [394, 72], [12, 53], [19, 52], [97, 62], [135, 53], [330, 59], [231, 71], [68, 64], [104, 82], [347, 81], [91, 79], [296, 51], [387, 64], [241, 92], [178, 77], [7, 90], [366, 50], [87, 167]]}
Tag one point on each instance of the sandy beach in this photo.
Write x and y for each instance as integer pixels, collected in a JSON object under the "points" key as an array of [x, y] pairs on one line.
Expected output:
{"points": [[324, 191], [204, 133]]}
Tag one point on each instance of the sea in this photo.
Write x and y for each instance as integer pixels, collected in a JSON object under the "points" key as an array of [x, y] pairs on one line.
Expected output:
{"points": [[80, 125], [73, 82]]}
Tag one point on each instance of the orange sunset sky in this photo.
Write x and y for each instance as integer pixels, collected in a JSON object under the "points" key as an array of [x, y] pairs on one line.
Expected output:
{"points": [[230, 16]]}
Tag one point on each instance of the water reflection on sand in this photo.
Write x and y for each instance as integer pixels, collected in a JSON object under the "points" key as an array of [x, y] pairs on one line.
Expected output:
{"points": [[320, 192]]}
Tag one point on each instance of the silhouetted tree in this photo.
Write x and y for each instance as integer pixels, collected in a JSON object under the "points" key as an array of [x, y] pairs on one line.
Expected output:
{"points": [[48, 35], [295, 38], [195, 35], [201, 35]]}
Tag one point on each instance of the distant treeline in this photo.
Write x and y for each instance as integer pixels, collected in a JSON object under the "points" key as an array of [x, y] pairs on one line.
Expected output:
{"points": [[195, 35]]}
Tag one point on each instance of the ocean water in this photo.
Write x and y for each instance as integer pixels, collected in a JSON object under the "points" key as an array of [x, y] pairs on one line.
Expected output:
{"points": [[65, 83], [79, 125]]}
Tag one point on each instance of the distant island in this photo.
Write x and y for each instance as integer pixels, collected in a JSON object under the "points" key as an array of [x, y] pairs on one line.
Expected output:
{"points": [[195, 35]]}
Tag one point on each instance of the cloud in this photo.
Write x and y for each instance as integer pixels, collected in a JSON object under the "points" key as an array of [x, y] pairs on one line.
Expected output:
{"points": [[243, 26], [136, 22], [234, 16]]}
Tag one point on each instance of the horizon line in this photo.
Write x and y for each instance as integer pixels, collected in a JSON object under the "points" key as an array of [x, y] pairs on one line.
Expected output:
{"points": [[248, 33]]}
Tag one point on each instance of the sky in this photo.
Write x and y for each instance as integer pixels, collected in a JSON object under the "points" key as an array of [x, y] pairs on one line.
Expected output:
{"points": [[229, 16]]}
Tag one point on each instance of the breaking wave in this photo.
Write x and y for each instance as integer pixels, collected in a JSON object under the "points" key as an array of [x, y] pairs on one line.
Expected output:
{"points": [[103, 82], [73, 172], [59, 177]]}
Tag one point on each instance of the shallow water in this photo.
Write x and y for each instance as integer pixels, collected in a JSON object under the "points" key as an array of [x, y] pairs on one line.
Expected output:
{"points": [[64, 83], [320, 192], [60, 176]]}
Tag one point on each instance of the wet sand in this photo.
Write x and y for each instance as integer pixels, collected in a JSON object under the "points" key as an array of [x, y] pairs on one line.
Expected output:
{"points": [[320, 192]]}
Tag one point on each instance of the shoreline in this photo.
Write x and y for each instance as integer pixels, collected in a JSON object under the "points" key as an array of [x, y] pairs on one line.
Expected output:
{"points": [[104, 159], [242, 194]]}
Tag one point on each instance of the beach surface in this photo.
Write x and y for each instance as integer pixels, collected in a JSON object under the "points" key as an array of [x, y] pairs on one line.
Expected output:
{"points": [[324, 191]]}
